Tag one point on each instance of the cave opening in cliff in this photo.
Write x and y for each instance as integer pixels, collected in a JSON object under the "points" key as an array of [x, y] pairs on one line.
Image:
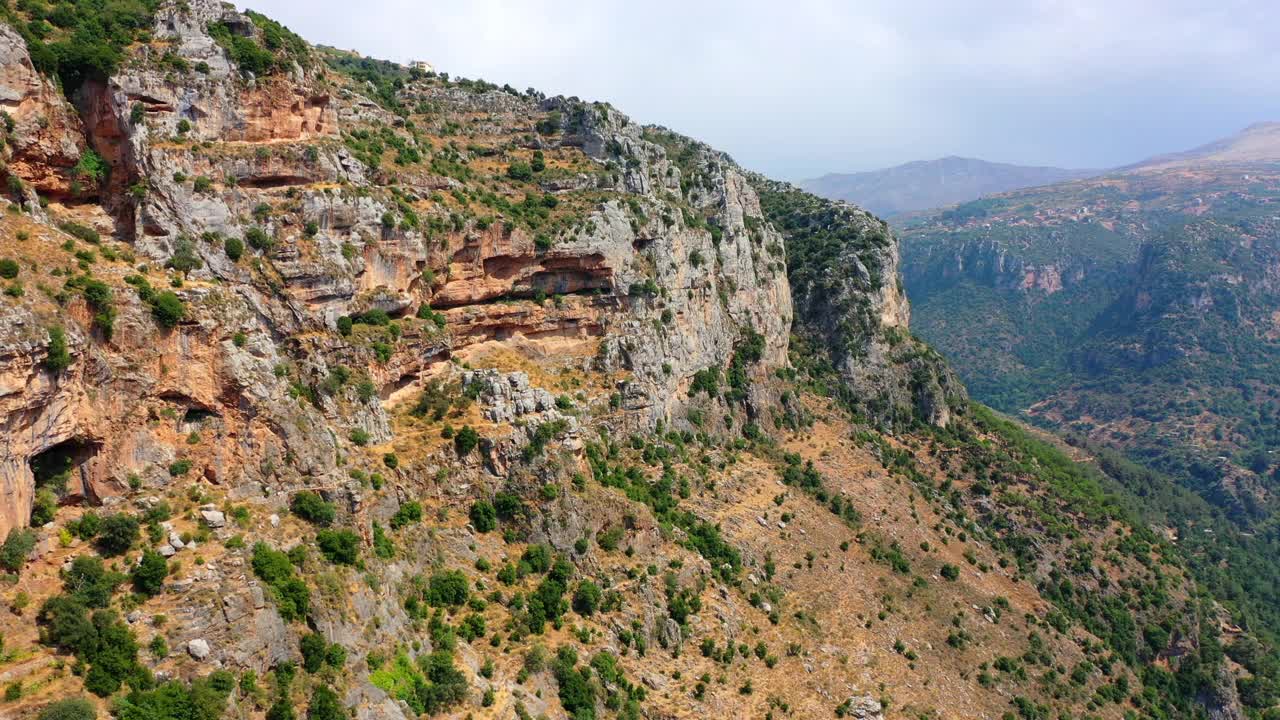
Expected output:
{"points": [[272, 181], [197, 415], [56, 468]]}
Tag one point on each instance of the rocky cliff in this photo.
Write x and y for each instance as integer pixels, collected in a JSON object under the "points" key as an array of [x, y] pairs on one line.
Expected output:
{"points": [[613, 260], [1093, 295], [852, 311], [376, 384], [45, 133]]}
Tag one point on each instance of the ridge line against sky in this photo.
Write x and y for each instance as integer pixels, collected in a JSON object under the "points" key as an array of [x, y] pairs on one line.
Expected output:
{"points": [[808, 87]]}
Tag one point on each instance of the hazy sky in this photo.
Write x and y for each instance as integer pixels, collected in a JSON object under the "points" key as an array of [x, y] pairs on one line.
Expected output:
{"points": [[796, 88]]}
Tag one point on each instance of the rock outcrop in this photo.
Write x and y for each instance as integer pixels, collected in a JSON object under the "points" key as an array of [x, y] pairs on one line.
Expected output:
{"points": [[666, 282], [851, 307], [43, 134]]}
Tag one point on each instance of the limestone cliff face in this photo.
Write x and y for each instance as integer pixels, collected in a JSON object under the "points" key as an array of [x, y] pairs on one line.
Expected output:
{"points": [[653, 282], [852, 309], [122, 410], [932, 268], [45, 140]]}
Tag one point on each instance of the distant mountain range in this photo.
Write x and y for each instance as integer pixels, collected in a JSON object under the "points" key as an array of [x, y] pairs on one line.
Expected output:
{"points": [[1137, 311], [929, 184], [1258, 143]]}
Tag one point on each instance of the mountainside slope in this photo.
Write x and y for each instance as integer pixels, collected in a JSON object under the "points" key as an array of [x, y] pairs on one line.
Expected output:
{"points": [[1258, 143], [926, 184], [1138, 311], [330, 384]]}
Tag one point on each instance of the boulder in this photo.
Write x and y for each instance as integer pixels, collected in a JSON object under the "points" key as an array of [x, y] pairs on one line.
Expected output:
{"points": [[213, 518], [198, 649]]}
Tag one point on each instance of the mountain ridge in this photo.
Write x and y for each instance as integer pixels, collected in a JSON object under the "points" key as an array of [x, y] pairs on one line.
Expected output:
{"points": [[339, 385], [925, 184], [1257, 143]]}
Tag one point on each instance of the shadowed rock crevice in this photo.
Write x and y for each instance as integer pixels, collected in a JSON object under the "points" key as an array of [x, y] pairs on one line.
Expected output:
{"points": [[64, 468]]}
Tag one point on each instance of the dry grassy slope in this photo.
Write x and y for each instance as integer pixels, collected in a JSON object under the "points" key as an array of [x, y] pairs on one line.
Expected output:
{"points": [[830, 612], [838, 655], [849, 650], [844, 592]]}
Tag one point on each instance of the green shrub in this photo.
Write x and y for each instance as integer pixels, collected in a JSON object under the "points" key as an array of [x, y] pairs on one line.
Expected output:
{"points": [[335, 656], [447, 588], [100, 641], [279, 49], [80, 232], [950, 572], [167, 308], [57, 357], [148, 577], [509, 506], [90, 583], [234, 248], [281, 709], [410, 512], [258, 238], [98, 296], [311, 507], [313, 650], [87, 527], [466, 440], [159, 647], [425, 312], [549, 125], [484, 517], [705, 381], [373, 316], [18, 544], [587, 598], [609, 539], [69, 709], [293, 599], [325, 705], [184, 258], [340, 547], [520, 171], [577, 692], [118, 534], [43, 507], [202, 699], [8, 268], [444, 687], [382, 545], [536, 558]]}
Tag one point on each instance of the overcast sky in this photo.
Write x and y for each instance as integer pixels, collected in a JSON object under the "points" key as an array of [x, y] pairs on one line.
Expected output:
{"points": [[797, 88]]}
